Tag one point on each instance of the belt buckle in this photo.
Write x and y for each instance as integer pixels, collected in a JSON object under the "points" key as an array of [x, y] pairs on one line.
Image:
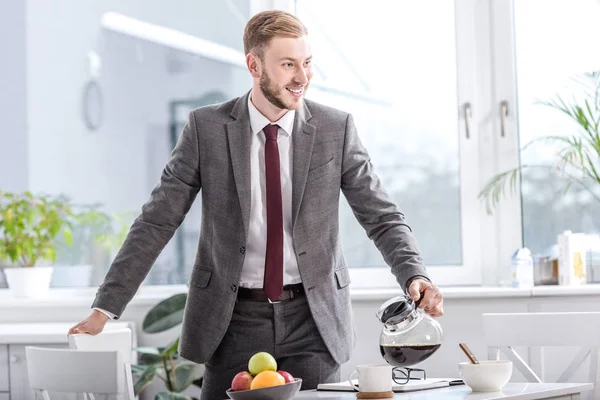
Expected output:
{"points": [[279, 301]]}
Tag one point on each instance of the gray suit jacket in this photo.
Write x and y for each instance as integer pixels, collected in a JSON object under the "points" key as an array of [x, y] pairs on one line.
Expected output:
{"points": [[213, 153]]}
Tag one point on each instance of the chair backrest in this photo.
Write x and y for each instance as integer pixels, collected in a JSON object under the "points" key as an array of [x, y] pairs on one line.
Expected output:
{"points": [[119, 340], [109, 340], [74, 371], [503, 332]]}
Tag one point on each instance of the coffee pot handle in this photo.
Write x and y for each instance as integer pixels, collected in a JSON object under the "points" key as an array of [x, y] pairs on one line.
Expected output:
{"points": [[419, 301]]}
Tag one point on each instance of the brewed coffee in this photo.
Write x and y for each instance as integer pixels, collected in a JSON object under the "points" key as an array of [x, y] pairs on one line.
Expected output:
{"points": [[407, 355]]}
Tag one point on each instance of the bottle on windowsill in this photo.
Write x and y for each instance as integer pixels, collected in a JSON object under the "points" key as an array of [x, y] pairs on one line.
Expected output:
{"points": [[522, 269]]}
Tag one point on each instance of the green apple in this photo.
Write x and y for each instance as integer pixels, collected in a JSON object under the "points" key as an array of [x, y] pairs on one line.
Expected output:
{"points": [[260, 362]]}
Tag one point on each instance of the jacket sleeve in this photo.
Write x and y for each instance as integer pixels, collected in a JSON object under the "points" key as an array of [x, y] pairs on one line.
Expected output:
{"points": [[384, 224], [161, 215]]}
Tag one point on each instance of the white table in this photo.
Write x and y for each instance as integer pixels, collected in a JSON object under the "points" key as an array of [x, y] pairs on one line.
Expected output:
{"points": [[512, 391]]}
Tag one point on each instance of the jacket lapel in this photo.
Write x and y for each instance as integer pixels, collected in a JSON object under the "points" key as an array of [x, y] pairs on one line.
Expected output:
{"points": [[303, 139], [239, 135]]}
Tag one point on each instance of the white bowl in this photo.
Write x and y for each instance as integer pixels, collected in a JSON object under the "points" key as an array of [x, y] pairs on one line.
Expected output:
{"points": [[281, 392], [487, 376]]}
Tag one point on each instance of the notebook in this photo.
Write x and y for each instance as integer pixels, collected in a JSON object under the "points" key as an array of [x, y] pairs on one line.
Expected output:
{"points": [[421, 384]]}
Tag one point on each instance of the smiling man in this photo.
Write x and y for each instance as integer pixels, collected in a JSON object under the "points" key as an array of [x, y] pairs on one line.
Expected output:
{"points": [[270, 275]]}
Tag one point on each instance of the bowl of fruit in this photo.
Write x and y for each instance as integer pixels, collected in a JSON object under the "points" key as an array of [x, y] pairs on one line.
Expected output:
{"points": [[263, 381]]}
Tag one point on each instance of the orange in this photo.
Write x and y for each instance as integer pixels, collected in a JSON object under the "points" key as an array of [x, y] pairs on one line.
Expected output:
{"points": [[266, 379]]}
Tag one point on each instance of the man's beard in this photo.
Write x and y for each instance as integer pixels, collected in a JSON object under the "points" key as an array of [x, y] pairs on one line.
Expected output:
{"points": [[272, 94]]}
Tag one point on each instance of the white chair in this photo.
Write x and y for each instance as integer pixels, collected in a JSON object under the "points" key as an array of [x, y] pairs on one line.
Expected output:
{"points": [[504, 332], [120, 340], [78, 371]]}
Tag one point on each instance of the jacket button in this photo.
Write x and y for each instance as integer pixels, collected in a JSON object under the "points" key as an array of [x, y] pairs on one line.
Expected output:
{"points": [[233, 288], [242, 250]]}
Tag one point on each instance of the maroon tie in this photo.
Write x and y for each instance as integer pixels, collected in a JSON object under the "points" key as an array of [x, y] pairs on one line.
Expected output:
{"points": [[273, 284]]}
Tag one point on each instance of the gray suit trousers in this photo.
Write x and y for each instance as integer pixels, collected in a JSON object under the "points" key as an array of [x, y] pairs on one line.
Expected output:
{"points": [[286, 330]]}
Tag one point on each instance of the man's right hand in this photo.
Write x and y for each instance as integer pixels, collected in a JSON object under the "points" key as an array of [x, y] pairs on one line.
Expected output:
{"points": [[92, 324]]}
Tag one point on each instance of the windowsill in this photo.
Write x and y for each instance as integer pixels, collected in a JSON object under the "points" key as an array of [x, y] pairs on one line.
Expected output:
{"points": [[150, 295], [481, 292], [84, 296]]}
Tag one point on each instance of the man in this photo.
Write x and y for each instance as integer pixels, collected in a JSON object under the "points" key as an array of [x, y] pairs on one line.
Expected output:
{"points": [[269, 274]]}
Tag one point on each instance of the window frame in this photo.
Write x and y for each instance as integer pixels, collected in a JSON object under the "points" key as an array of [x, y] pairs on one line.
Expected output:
{"points": [[485, 74]]}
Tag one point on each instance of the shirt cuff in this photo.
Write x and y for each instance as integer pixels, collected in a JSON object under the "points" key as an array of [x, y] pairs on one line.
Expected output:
{"points": [[107, 313]]}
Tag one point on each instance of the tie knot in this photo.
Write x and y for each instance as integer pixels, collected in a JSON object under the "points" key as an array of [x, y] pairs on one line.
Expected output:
{"points": [[271, 131]]}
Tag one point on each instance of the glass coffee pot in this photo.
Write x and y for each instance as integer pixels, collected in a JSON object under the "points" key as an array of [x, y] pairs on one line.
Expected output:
{"points": [[409, 335]]}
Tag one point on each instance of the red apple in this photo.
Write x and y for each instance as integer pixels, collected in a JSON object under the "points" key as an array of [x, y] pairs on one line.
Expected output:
{"points": [[287, 376], [241, 381]]}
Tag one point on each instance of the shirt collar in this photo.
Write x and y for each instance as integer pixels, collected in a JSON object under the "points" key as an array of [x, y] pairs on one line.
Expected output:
{"points": [[259, 121]]}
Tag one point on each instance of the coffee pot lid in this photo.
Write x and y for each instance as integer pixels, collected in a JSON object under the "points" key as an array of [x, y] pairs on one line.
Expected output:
{"points": [[396, 309]]}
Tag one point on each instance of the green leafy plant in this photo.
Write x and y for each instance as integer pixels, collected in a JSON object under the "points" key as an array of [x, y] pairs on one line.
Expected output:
{"points": [[578, 155], [165, 363], [30, 224]]}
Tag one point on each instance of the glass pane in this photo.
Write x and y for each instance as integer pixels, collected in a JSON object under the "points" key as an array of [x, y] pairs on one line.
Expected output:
{"points": [[393, 66], [555, 48], [161, 85], [104, 104]]}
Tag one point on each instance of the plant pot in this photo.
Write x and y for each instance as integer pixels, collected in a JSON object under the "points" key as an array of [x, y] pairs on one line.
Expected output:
{"points": [[28, 282]]}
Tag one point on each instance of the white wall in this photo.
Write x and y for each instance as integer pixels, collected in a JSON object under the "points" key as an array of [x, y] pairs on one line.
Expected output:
{"points": [[109, 165], [13, 108]]}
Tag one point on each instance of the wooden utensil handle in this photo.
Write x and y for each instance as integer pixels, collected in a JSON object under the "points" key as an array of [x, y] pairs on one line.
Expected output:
{"points": [[469, 353]]}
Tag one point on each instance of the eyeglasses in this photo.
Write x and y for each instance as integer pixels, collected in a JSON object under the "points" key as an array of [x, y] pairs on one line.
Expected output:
{"points": [[402, 375]]}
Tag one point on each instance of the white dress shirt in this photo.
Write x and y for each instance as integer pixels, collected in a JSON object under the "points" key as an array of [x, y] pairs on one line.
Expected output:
{"points": [[254, 262]]}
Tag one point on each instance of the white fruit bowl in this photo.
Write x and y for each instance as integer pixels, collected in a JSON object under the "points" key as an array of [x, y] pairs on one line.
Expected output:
{"points": [[281, 392]]}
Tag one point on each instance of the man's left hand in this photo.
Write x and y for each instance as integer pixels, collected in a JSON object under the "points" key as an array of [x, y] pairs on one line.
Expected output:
{"points": [[432, 301]]}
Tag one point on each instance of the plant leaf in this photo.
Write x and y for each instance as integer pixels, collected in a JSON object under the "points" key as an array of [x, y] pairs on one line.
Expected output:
{"points": [[138, 370], [144, 380], [147, 350], [186, 374], [495, 187], [68, 236], [165, 315], [170, 349], [567, 187], [171, 396]]}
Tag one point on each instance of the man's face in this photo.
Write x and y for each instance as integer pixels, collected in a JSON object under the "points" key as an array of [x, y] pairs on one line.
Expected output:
{"points": [[286, 72]]}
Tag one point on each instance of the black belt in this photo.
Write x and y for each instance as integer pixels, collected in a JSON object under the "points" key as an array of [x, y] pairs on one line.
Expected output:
{"points": [[289, 292]]}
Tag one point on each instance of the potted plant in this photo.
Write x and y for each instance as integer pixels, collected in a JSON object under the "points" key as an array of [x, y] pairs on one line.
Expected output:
{"points": [[578, 155], [29, 226], [164, 363]]}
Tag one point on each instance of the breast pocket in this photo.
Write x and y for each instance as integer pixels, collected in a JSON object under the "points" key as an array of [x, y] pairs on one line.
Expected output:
{"points": [[342, 276], [321, 170], [201, 277]]}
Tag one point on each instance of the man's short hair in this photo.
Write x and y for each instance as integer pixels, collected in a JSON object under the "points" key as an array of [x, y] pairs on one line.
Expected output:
{"points": [[266, 25]]}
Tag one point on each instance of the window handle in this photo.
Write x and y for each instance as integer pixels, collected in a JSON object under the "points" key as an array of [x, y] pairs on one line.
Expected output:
{"points": [[468, 114], [503, 116]]}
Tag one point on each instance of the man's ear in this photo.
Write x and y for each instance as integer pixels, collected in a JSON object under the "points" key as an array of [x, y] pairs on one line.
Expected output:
{"points": [[253, 64]]}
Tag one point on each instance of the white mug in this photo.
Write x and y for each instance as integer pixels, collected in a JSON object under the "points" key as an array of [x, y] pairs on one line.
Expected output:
{"points": [[372, 378]]}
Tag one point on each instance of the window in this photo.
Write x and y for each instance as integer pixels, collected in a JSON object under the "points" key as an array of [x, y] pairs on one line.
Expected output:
{"points": [[146, 65], [393, 65], [552, 55], [443, 95]]}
